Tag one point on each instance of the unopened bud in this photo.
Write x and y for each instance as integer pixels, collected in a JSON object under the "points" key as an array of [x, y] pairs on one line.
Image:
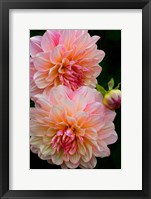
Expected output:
{"points": [[112, 99]]}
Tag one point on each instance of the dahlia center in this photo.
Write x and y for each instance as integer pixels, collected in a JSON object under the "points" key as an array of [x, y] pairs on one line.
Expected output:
{"points": [[71, 75], [65, 140]]}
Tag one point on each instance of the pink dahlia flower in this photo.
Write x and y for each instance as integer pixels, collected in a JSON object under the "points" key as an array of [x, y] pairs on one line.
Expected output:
{"points": [[71, 128], [66, 57]]}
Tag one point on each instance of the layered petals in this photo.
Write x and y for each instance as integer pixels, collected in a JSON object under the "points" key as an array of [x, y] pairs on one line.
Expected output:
{"points": [[71, 128], [65, 57]]}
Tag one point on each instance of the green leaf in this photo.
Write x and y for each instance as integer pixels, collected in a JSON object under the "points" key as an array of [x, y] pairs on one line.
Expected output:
{"points": [[100, 89], [111, 84], [117, 87]]}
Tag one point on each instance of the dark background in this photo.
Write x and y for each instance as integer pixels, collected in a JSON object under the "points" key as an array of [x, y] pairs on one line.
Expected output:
{"points": [[110, 42]]}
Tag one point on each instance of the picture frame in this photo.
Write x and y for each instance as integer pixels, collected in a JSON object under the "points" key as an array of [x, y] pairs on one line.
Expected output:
{"points": [[4, 103]]}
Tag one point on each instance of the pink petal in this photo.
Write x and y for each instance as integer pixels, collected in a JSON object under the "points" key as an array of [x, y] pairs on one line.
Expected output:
{"points": [[67, 38], [108, 134], [53, 73], [34, 149], [79, 102], [34, 90], [94, 108], [56, 55], [105, 151], [109, 114], [89, 96], [91, 134], [50, 39], [42, 62], [57, 114], [42, 103], [35, 45], [40, 79], [62, 92], [80, 32]]}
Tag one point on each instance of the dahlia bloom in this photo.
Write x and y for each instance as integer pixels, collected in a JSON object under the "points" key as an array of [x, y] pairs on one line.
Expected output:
{"points": [[66, 57], [71, 128]]}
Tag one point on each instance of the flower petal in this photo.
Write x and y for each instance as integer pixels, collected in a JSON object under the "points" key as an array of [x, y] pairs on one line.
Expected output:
{"points": [[58, 158], [71, 165], [35, 45], [50, 39], [75, 158], [42, 62], [89, 165], [40, 80], [46, 150], [56, 55], [91, 134]]}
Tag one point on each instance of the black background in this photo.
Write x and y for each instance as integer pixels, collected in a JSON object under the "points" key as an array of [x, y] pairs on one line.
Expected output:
{"points": [[110, 42]]}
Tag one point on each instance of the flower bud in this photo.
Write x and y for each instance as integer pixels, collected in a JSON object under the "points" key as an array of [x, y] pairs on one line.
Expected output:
{"points": [[112, 99]]}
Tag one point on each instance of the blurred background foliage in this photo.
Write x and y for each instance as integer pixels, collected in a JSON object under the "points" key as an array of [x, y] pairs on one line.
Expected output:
{"points": [[110, 43]]}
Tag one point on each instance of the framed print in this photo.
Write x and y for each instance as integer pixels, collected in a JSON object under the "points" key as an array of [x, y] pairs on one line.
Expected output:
{"points": [[75, 99], [68, 147]]}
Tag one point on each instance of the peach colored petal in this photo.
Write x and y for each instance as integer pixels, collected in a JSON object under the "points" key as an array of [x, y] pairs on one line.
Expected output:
{"points": [[35, 141], [47, 150], [81, 149], [82, 118], [75, 158], [57, 114], [88, 155], [56, 55]]}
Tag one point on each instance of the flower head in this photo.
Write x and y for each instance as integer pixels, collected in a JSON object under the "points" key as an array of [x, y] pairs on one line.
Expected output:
{"points": [[71, 128], [66, 57], [112, 99]]}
